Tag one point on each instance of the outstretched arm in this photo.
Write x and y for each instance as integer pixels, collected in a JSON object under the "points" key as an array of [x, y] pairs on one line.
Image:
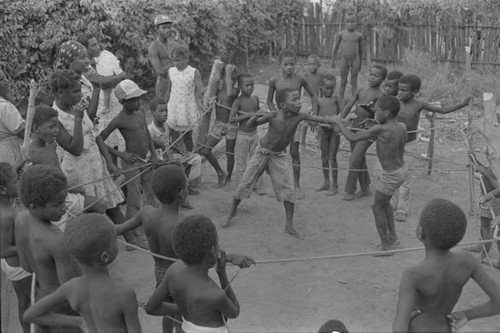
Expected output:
{"points": [[130, 313], [358, 136], [133, 223], [227, 303], [156, 305], [350, 104], [260, 118], [314, 96], [446, 109]]}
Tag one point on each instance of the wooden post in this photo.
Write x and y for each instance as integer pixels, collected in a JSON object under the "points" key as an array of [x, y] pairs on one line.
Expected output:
{"points": [[490, 129], [29, 119], [430, 147]]}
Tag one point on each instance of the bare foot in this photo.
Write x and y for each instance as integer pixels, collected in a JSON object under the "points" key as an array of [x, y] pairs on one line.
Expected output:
{"points": [[226, 220], [332, 191], [221, 179], [349, 196], [384, 251], [400, 217], [259, 190], [299, 193], [324, 187], [294, 233], [361, 194]]}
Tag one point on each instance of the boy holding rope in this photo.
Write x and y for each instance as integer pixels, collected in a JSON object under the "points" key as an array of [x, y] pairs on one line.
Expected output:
{"points": [[429, 291], [103, 304], [408, 89]]}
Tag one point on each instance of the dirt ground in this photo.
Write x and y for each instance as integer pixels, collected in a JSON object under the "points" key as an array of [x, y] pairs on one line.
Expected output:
{"points": [[300, 296]]}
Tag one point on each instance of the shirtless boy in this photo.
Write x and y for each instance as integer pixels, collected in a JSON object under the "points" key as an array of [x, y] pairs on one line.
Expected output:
{"points": [[391, 83], [270, 156], [357, 161], [350, 42], [226, 95], [390, 136], [131, 122], [429, 291], [40, 244], [203, 305], [409, 87], [103, 304], [289, 79], [329, 105], [315, 80]]}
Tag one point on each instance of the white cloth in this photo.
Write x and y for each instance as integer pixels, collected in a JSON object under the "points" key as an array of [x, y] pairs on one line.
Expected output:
{"points": [[182, 109], [10, 124], [189, 327], [75, 203], [14, 273]]}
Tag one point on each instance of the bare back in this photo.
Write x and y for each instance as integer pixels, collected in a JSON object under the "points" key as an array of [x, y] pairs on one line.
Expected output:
{"points": [[391, 142], [349, 44]]}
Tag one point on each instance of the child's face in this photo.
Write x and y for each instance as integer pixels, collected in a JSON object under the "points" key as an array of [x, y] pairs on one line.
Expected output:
{"points": [[391, 87], [405, 93], [82, 62], [288, 65], [375, 77], [132, 104], [293, 102], [350, 22], [328, 88], [161, 113], [93, 48], [48, 131], [54, 209], [380, 115], [313, 65], [180, 62], [10, 188], [247, 85], [72, 95]]}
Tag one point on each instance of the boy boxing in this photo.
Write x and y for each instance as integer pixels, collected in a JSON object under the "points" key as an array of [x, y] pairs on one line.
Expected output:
{"points": [[270, 155], [289, 79], [429, 290], [390, 136]]}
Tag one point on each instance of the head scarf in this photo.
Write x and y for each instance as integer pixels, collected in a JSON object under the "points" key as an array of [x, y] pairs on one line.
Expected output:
{"points": [[68, 51]]}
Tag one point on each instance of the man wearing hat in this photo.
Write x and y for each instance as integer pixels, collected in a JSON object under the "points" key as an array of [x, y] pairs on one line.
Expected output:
{"points": [[159, 53]]}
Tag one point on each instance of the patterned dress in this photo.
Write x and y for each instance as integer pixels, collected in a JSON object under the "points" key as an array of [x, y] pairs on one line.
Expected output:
{"points": [[10, 124], [182, 109]]}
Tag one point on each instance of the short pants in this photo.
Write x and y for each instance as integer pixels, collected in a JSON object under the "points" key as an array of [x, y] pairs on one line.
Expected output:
{"points": [[221, 129], [14, 273], [390, 181]]}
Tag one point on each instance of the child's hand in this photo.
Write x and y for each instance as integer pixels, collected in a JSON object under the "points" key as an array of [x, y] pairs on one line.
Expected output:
{"points": [[113, 170], [486, 198], [240, 260], [457, 320], [368, 123], [129, 158], [154, 161], [220, 265]]}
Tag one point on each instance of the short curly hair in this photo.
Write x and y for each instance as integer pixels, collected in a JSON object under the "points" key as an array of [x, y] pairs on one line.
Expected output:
{"points": [[333, 325], [286, 53], [43, 113], [381, 68], [181, 51], [63, 80], [413, 80], [329, 77], [390, 103], [153, 105], [40, 183], [6, 172], [394, 75], [167, 182], [88, 235], [444, 223], [193, 238], [282, 95]]}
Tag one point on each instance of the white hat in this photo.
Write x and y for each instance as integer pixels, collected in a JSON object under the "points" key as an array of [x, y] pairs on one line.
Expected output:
{"points": [[162, 18], [128, 89]]}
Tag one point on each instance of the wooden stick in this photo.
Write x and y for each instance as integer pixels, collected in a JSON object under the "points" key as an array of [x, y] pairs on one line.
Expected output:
{"points": [[469, 128], [29, 119], [32, 296]]}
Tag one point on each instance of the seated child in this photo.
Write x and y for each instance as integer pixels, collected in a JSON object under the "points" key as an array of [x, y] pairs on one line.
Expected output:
{"points": [[433, 287], [204, 306], [40, 244], [103, 304], [333, 326], [391, 83]]}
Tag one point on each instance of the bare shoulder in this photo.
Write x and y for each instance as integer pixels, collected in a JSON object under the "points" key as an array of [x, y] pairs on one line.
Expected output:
{"points": [[299, 77], [8, 216], [359, 34], [273, 80], [466, 259], [153, 48], [21, 219]]}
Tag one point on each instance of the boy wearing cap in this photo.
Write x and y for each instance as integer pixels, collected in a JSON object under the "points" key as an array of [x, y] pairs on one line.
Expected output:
{"points": [[131, 122], [159, 53]]}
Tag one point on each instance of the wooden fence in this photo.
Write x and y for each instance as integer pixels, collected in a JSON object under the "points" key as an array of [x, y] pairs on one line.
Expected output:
{"points": [[318, 31]]}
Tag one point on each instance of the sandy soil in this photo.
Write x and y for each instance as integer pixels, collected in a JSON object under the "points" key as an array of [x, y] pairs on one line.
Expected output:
{"points": [[300, 296]]}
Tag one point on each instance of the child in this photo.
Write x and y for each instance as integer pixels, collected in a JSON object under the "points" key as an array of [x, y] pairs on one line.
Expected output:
{"points": [[131, 122], [315, 80], [329, 105], [350, 42], [391, 138], [432, 288], [270, 155], [289, 79], [246, 106], [40, 245], [20, 278], [357, 161], [204, 306], [409, 87], [391, 83], [185, 94], [226, 94], [333, 326], [160, 135], [103, 304]]}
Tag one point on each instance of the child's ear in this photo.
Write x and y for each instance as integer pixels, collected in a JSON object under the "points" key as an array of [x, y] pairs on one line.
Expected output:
{"points": [[104, 257]]}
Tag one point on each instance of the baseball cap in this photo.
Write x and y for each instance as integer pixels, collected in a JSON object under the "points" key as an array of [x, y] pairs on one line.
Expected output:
{"points": [[128, 89], [162, 18]]}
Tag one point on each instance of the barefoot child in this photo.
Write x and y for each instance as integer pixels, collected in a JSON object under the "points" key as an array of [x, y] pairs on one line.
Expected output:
{"points": [[315, 80], [222, 127], [289, 79], [103, 304], [244, 108], [390, 136], [270, 156], [432, 288], [203, 305], [20, 278], [391, 83], [357, 161], [329, 105], [409, 87], [40, 244], [350, 42]]}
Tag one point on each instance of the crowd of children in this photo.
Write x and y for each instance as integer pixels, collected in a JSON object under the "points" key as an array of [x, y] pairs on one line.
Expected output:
{"points": [[64, 230]]}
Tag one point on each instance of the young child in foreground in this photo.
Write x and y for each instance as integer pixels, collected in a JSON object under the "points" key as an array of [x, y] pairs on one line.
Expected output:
{"points": [[204, 306], [333, 326], [103, 304], [270, 155], [429, 291], [390, 136]]}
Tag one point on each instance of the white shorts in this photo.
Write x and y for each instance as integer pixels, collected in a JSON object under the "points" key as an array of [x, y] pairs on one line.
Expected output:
{"points": [[14, 273]]}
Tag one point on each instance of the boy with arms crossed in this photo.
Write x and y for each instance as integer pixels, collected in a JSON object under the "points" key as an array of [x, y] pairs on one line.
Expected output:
{"points": [[103, 304], [409, 87], [357, 161], [429, 291], [270, 156], [350, 42], [390, 136], [329, 105], [288, 79]]}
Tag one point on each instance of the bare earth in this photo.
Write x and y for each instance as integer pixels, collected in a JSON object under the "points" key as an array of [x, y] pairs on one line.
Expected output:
{"points": [[300, 296]]}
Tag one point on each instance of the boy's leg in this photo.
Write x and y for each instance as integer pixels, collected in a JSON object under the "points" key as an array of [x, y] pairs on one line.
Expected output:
{"points": [[22, 288], [363, 176], [230, 144], [334, 148], [404, 198], [241, 151], [357, 161], [344, 70], [188, 140], [294, 153], [379, 212], [253, 142], [289, 227], [207, 152], [134, 196], [325, 151], [355, 65]]}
